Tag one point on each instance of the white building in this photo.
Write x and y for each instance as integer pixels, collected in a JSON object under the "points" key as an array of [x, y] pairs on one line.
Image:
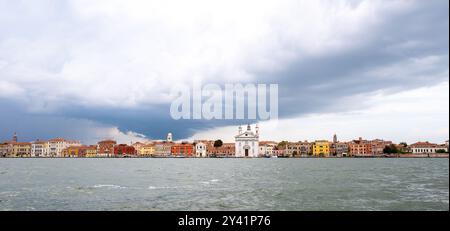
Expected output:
{"points": [[267, 148], [200, 149], [56, 146], [426, 147], [247, 143], [40, 149]]}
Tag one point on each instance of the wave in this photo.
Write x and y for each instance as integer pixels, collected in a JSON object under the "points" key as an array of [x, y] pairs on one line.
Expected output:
{"points": [[167, 187], [111, 186], [209, 181]]}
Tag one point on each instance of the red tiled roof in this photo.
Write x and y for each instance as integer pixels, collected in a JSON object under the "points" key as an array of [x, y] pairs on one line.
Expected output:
{"points": [[423, 144], [57, 140], [107, 141]]}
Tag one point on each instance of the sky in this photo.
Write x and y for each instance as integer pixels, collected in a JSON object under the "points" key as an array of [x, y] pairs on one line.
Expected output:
{"points": [[92, 70]]}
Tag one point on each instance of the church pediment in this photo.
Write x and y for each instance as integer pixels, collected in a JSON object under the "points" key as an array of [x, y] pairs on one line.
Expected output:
{"points": [[246, 135]]}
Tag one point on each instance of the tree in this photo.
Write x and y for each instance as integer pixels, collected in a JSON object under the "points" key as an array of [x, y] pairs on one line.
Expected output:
{"points": [[282, 145], [390, 149], [404, 144], [441, 151], [218, 143]]}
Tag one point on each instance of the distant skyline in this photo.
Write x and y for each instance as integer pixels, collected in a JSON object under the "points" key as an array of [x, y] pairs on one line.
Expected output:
{"points": [[91, 70]]}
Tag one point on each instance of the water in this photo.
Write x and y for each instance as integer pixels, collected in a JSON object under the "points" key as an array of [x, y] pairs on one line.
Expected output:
{"points": [[224, 184]]}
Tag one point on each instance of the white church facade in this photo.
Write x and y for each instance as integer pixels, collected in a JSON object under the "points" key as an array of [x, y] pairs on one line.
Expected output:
{"points": [[247, 142]]}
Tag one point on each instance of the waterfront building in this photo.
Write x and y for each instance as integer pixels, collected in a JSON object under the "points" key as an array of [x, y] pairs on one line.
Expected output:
{"points": [[321, 148], [123, 150], [292, 149], [6, 149], [360, 147], [443, 147], [146, 150], [426, 148], [200, 149], [138, 146], [337, 148], [210, 149], [105, 148], [297, 149], [378, 146], [40, 148], [163, 148], [74, 151], [183, 149], [57, 145], [247, 143], [279, 152], [266, 148], [91, 151], [21, 149], [226, 150], [403, 147]]}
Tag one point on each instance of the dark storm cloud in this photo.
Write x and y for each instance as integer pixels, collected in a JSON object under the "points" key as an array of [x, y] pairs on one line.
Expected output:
{"points": [[317, 84], [410, 50]]}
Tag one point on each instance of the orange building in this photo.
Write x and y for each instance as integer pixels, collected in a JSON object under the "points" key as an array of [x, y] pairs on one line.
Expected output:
{"points": [[123, 150], [105, 148], [227, 149], [186, 150], [379, 145], [360, 147], [74, 151]]}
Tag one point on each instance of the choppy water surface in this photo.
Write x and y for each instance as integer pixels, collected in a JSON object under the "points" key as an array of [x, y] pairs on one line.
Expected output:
{"points": [[224, 184]]}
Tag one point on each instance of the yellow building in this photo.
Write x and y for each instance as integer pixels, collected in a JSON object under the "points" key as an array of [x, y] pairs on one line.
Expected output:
{"points": [[21, 149], [146, 150], [91, 151], [6, 149], [321, 148], [73, 151]]}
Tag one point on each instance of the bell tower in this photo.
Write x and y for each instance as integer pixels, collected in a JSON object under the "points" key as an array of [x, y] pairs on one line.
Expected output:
{"points": [[14, 137]]}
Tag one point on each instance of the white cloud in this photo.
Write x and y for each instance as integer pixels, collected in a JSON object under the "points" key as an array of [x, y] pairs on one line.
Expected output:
{"points": [[8, 89], [100, 133]]}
